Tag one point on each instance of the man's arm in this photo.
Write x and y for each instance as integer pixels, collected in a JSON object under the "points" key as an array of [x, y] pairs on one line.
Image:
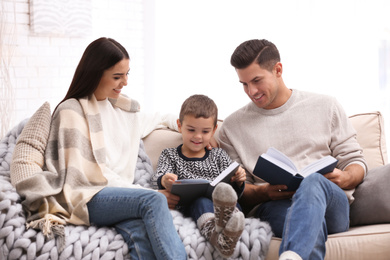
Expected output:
{"points": [[256, 194]]}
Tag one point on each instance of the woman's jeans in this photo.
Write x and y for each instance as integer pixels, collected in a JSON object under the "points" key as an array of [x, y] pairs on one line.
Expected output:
{"points": [[142, 217], [318, 208]]}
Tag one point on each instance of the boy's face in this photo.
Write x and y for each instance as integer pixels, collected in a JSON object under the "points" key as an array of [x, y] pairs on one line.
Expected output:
{"points": [[196, 134]]}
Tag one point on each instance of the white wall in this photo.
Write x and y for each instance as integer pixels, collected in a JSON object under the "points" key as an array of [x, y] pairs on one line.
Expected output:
{"points": [[331, 47], [182, 47], [42, 66]]}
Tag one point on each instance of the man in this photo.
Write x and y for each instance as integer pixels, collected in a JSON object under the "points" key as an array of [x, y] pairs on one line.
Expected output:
{"points": [[305, 127]]}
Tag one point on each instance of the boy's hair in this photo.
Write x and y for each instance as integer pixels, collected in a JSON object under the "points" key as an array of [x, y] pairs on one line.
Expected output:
{"points": [[199, 106], [262, 52]]}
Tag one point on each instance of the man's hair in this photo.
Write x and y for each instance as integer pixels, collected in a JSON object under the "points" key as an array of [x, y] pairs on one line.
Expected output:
{"points": [[199, 106], [262, 52]]}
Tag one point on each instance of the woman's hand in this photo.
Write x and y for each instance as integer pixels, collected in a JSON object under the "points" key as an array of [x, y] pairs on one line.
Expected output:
{"points": [[167, 180], [239, 177]]}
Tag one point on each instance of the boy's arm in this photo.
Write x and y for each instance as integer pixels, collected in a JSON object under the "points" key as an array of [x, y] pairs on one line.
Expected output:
{"points": [[164, 165]]}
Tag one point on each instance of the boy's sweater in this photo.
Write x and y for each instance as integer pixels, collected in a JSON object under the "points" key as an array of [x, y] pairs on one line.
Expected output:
{"points": [[208, 167]]}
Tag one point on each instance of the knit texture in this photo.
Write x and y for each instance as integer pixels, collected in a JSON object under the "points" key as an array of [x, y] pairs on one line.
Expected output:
{"points": [[172, 160], [30, 147], [82, 242]]}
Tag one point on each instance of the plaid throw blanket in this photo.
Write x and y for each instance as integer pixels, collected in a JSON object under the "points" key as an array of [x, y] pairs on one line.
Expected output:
{"points": [[74, 166]]}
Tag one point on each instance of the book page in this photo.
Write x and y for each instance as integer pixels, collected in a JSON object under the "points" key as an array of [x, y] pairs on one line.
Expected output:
{"points": [[278, 155], [318, 165], [229, 170], [279, 163]]}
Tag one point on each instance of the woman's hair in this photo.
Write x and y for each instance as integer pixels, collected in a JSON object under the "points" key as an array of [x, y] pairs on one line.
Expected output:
{"points": [[199, 106], [99, 56], [262, 52]]}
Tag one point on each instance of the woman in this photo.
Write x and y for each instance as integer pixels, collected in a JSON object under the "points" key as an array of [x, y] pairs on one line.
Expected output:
{"points": [[93, 147]]}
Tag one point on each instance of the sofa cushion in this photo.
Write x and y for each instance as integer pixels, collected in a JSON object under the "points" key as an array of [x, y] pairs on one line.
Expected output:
{"points": [[372, 198], [364, 242], [371, 137], [28, 155], [158, 140]]}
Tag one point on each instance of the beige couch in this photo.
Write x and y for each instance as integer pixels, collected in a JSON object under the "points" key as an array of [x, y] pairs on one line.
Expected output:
{"points": [[360, 242]]}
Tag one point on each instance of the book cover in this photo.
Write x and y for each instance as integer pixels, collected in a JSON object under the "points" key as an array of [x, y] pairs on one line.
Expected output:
{"points": [[276, 168], [191, 189]]}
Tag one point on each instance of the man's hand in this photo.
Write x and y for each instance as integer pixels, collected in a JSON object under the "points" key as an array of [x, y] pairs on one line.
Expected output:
{"points": [[256, 194], [277, 192], [171, 198], [167, 180], [347, 179]]}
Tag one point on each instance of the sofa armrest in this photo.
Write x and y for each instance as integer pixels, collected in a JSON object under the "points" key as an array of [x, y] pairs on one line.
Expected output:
{"points": [[371, 137]]}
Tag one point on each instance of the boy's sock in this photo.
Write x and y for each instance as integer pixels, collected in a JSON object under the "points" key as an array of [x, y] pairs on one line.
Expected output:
{"points": [[206, 225], [289, 255], [226, 241], [224, 200]]}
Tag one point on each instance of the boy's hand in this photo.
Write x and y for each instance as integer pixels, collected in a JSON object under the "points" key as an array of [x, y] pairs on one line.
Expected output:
{"points": [[171, 198], [167, 180], [239, 176]]}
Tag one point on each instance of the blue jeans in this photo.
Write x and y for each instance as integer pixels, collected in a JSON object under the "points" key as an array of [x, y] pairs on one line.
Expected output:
{"points": [[318, 208], [143, 219]]}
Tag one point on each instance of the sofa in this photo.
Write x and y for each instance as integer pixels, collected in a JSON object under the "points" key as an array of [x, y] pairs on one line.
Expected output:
{"points": [[369, 235], [368, 238]]}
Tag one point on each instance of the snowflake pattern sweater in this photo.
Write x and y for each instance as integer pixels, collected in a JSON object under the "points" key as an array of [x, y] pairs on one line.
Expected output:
{"points": [[208, 167]]}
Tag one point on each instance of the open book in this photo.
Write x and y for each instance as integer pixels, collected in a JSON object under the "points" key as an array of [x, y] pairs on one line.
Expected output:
{"points": [[275, 168], [191, 189]]}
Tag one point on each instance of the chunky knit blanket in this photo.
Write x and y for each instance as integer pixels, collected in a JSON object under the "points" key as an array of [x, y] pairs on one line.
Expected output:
{"points": [[82, 242]]}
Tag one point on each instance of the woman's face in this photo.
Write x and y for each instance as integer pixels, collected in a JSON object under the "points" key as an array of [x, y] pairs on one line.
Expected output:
{"points": [[113, 80]]}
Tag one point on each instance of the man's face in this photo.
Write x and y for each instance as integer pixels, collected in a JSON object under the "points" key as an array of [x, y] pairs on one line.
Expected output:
{"points": [[261, 85]]}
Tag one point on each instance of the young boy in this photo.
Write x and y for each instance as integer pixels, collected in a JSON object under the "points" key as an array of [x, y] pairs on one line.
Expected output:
{"points": [[218, 218]]}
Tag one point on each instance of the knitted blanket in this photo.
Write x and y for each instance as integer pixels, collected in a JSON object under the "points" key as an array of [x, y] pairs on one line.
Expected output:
{"points": [[82, 242]]}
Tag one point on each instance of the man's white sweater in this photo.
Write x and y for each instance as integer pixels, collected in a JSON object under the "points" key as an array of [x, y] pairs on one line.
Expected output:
{"points": [[306, 128]]}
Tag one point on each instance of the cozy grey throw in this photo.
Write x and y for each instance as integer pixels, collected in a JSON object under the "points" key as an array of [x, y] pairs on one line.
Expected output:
{"points": [[84, 242]]}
